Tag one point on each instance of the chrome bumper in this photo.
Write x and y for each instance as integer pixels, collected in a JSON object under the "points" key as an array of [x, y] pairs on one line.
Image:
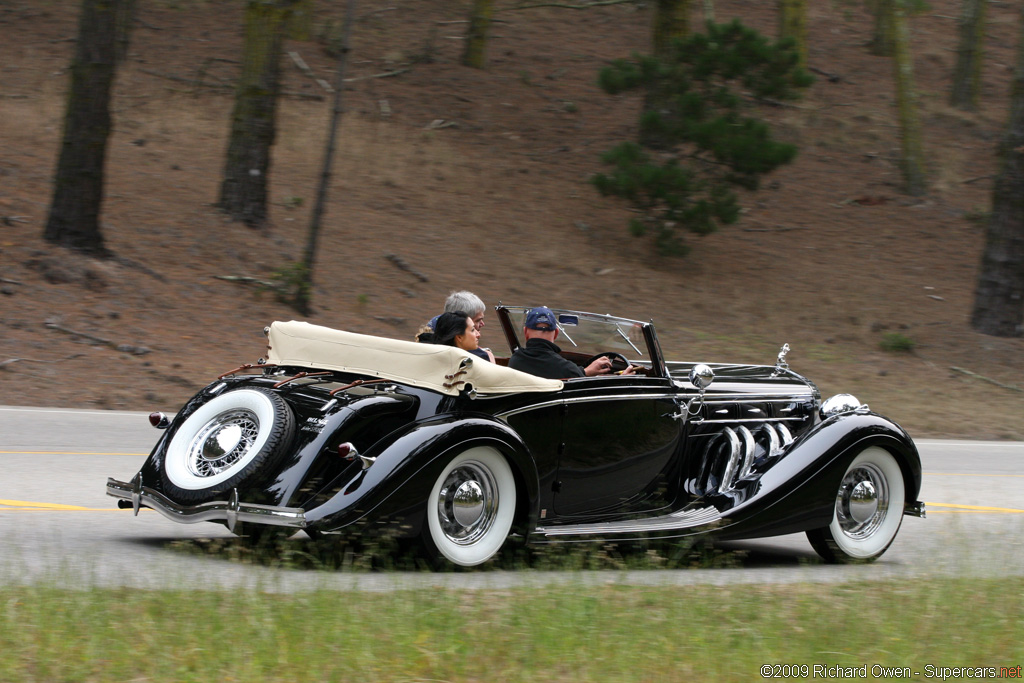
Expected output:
{"points": [[230, 511], [914, 509]]}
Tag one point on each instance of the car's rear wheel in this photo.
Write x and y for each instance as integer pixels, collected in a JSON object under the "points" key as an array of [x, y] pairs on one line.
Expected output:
{"points": [[232, 439], [868, 510], [471, 507]]}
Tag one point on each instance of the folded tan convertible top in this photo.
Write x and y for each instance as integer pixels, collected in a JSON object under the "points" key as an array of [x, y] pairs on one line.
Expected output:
{"points": [[430, 366]]}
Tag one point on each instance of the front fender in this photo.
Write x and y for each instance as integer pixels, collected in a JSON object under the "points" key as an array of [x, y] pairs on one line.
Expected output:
{"points": [[395, 488], [798, 493]]}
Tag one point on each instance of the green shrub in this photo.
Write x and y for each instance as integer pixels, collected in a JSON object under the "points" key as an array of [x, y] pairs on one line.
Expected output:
{"points": [[695, 120]]}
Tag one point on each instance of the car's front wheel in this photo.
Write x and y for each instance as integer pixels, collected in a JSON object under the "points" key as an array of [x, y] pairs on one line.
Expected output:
{"points": [[233, 438], [471, 507], [868, 510]]}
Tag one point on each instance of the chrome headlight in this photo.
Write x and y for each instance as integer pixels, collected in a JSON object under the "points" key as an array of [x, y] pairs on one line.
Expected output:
{"points": [[839, 404]]}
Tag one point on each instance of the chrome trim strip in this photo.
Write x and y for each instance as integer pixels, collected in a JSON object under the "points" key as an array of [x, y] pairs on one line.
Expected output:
{"points": [[785, 434], [748, 451], [581, 399], [774, 442], [232, 511], [682, 519], [759, 398], [754, 419], [735, 457]]}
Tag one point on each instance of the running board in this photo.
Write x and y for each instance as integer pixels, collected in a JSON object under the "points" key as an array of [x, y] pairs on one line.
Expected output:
{"points": [[683, 519]]}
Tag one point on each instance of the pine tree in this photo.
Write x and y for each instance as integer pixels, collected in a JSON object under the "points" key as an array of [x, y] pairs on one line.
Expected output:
{"points": [[708, 145]]}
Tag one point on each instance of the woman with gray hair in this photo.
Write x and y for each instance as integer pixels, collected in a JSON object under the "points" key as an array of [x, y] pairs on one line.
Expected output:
{"points": [[470, 304]]}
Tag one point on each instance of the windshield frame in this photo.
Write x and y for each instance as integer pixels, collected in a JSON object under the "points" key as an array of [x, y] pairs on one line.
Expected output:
{"points": [[650, 352]]}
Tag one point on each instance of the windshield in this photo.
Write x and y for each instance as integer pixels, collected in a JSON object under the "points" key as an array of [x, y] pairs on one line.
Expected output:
{"points": [[590, 334]]}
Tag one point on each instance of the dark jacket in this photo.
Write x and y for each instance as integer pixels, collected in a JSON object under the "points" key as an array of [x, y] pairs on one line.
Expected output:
{"points": [[542, 358]]}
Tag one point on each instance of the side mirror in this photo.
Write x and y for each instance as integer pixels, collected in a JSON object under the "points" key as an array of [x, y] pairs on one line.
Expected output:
{"points": [[701, 376], [572, 320]]}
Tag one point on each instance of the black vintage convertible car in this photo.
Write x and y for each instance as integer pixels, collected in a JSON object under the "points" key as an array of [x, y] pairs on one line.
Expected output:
{"points": [[341, 433]]}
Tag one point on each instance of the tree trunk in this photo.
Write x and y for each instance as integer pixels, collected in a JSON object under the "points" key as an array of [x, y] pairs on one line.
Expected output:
{"points": [[475, 54], [881, 40], [302, 299], [103, 32], [709, 11], [793, 24], [906, 102], [243, 191], [967, 74], [671, 21], [999, 298]]}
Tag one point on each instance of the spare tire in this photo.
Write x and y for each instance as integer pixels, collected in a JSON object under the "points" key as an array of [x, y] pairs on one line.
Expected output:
{"points": [[234, 439]]}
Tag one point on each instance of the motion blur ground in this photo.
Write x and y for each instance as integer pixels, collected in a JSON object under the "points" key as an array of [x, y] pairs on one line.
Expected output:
{"points": [[66, 530], [441, 162]]}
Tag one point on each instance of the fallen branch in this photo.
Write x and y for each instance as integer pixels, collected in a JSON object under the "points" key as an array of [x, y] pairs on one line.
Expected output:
{"points": [[304, 68], [386, 74], [226, 86], [9, 361], [832, 78], [565, 6], [402, 265], [6, 281], [986, 379], [245, 279], [377, 11], [123, 348]]}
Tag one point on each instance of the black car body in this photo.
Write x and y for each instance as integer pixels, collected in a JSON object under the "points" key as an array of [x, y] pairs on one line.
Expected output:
{"points": [[338, 433]]}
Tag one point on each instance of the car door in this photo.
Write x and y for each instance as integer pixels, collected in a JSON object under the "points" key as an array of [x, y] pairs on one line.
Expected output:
{"points": [[620, 447]]}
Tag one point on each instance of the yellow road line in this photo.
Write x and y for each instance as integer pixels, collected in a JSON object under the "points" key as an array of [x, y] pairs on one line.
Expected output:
{"points": [[30, 506], [968, 508], [66, 453], [965, 474]]}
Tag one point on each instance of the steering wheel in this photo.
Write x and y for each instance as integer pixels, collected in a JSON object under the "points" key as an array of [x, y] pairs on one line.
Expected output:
{"points": [[619, 362]]}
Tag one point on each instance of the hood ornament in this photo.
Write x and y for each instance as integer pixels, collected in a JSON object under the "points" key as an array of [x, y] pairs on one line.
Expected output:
{"points": [[781, 365]]}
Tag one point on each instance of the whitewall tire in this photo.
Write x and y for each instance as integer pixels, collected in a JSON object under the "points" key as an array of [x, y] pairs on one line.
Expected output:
{"points": [[868, 510], [471, 507], [231, 439]]}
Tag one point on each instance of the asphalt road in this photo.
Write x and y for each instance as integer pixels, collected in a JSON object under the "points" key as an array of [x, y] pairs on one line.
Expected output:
{"points": [[57, 525]]}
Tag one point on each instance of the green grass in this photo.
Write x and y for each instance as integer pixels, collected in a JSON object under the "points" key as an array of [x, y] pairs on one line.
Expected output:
{"points": [[574, 632]]}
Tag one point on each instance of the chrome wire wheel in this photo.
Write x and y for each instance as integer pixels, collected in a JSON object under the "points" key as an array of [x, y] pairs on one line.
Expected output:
{"points": [[222, 442], [231, 440], [868, 510], [471, 507]]}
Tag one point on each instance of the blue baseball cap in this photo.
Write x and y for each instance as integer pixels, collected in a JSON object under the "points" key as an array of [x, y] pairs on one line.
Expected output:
{"points": [[541, 315]]}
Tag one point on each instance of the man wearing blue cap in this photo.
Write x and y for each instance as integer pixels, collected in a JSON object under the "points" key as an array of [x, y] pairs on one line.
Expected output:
{"points": [[542, 357]]}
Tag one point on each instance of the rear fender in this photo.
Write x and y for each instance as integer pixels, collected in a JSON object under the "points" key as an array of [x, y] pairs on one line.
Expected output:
{"points": [[395, 487], [798, 493]]}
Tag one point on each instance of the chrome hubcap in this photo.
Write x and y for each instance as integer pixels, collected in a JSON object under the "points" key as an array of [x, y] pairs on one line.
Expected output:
{"points": [[222, 442], [467, 503], [862, 502]]}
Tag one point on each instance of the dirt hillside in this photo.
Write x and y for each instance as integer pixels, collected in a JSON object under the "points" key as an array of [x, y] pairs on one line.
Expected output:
{"points": [[478, 180]]}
